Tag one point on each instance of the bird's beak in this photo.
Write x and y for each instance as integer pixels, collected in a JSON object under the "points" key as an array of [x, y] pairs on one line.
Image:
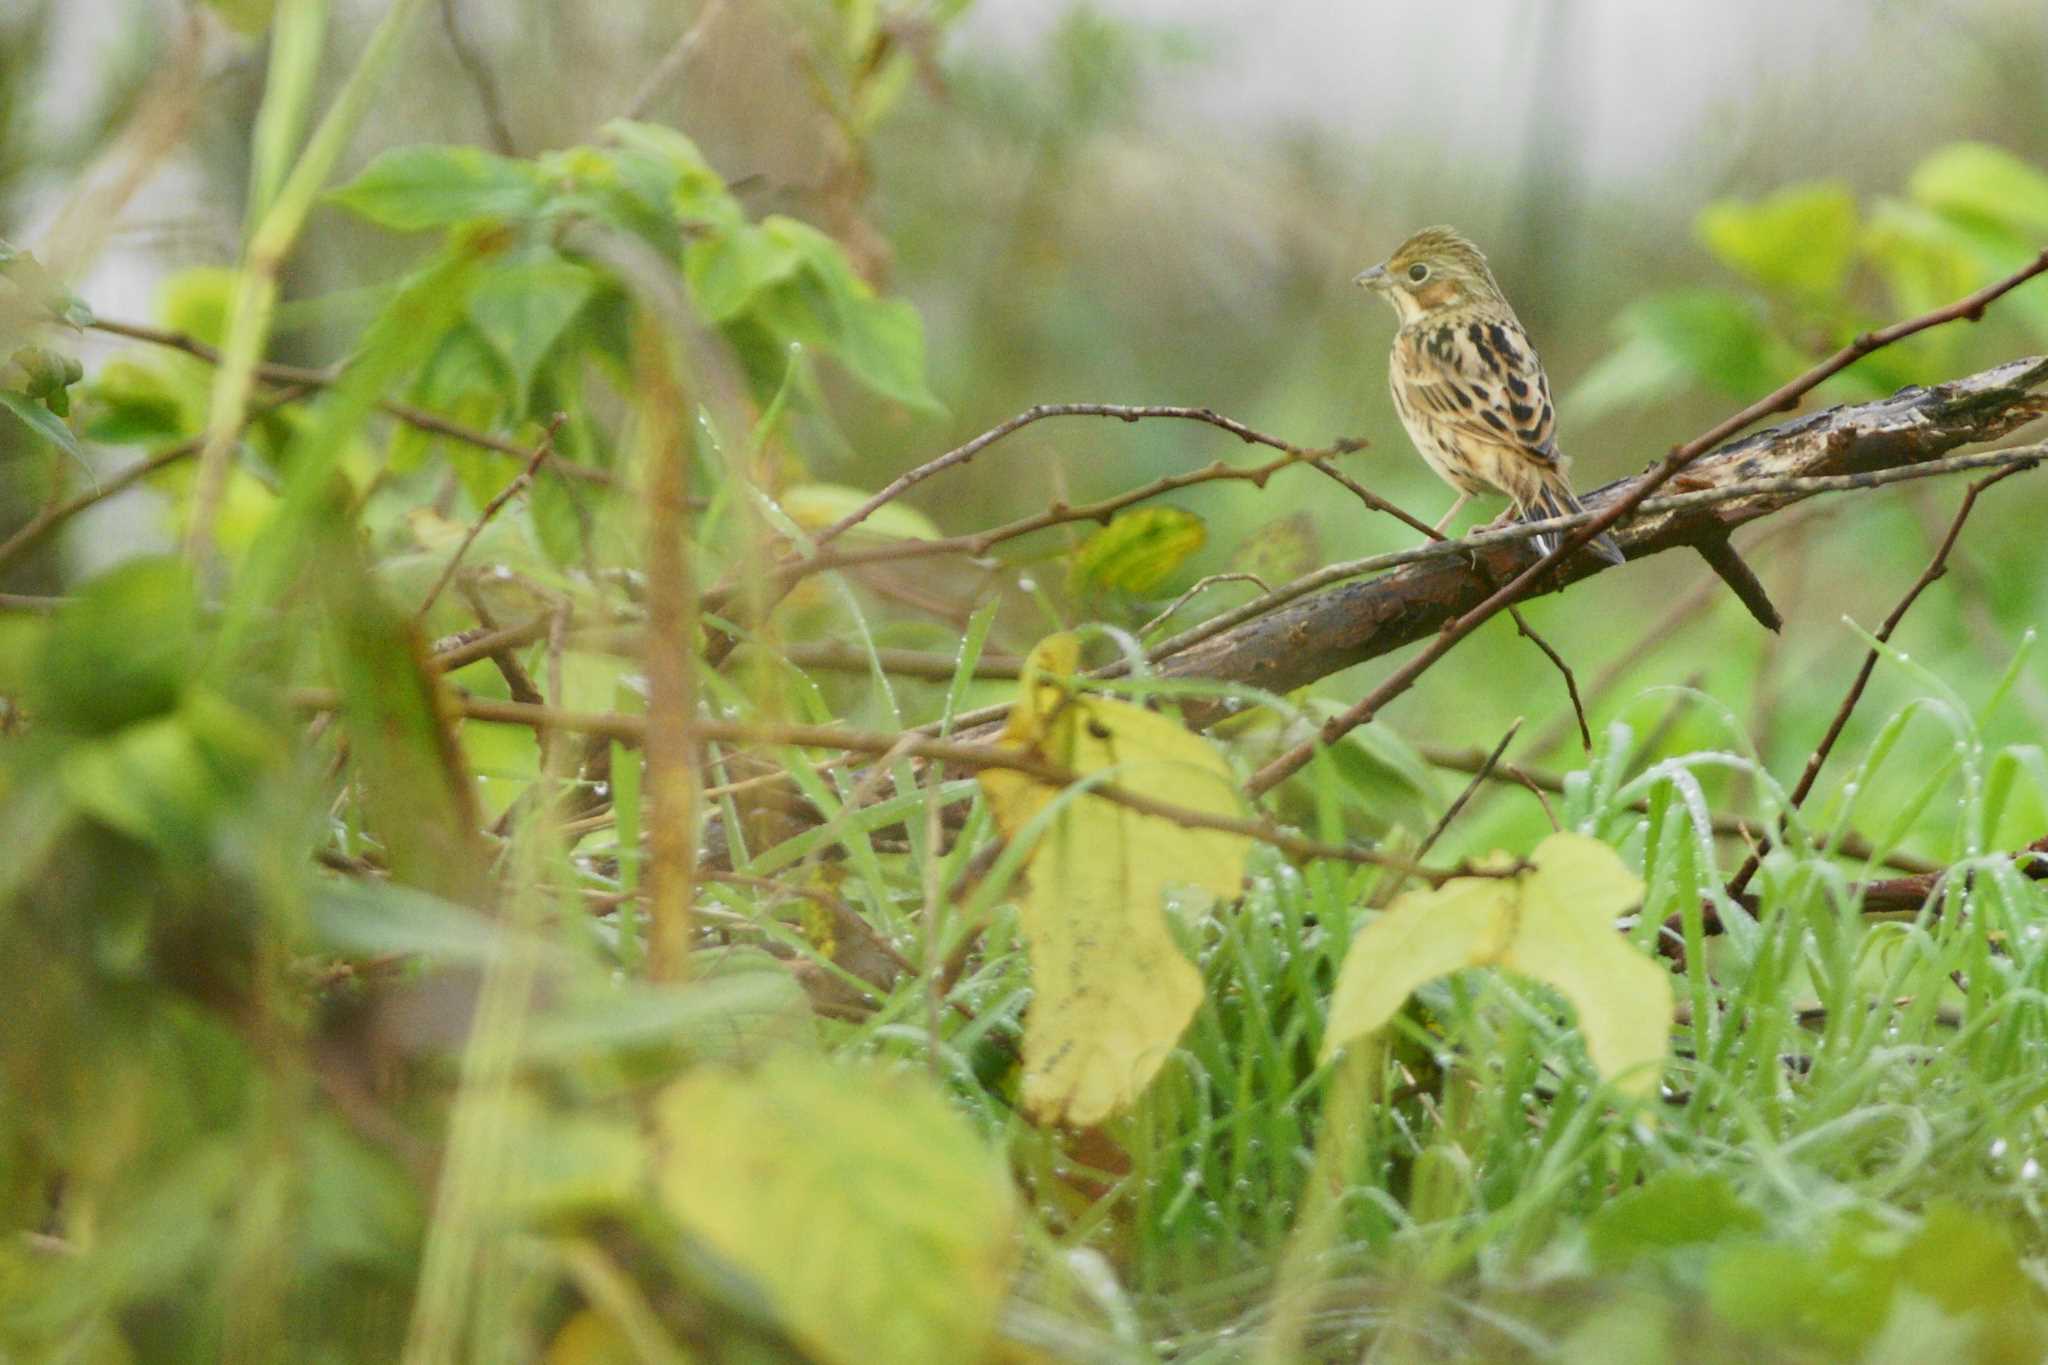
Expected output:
{"points": [[1375, 278]]}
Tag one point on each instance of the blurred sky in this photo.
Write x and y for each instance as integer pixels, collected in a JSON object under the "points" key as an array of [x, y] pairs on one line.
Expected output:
{"points": [[1638, 77], [1633, 80]]}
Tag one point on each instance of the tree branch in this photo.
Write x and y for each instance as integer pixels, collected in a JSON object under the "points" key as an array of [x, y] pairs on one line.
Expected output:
{"points": [[1849, 447], [1783, 399]]}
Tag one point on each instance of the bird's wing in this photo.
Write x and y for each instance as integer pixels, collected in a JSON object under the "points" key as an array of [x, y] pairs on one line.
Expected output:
{"points": [[1481, 378]]}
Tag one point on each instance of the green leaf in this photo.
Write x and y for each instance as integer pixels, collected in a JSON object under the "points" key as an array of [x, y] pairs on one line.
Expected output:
{"points": [[417, 792], [1672, 341], [415, 319], [1674, 1208], [129, 401], [726, 270], [1800, 240], [1555, 923], [374, 918], [151, 781], [750, 1005], [1793, 1292], [1926, 259], [120, 651], [827, 304], [1139, 549], [569, 1163], [45, 376], [1966, 1263], [195, 302], [1281, 550], [42, 422], [408, 189], [874, 1220], [245, 16], [1979, 180], [522, 309]]}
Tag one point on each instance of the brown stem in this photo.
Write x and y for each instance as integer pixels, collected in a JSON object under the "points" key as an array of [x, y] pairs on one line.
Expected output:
{"points": [[670, 746], [491, 509], [1783, 399]]}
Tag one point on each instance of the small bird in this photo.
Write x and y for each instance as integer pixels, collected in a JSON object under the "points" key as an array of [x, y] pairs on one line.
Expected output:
{"points": [[1468, 385]]}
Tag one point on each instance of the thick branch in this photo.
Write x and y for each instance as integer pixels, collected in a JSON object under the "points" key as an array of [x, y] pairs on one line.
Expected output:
{"points": [[1350, 623]]}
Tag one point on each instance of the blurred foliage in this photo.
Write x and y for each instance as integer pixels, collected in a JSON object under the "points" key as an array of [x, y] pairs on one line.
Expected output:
{"points": [[333, 1035], [1819, 270]]}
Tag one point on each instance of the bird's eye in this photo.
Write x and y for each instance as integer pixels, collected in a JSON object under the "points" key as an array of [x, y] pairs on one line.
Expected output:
{"points": [[1418, 272]]}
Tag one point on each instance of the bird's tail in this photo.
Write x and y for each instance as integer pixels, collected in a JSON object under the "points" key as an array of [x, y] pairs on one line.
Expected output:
{"points": [[1555, 499]]}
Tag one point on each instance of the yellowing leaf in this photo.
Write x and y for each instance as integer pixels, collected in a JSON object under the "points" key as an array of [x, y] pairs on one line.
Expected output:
{"points": [[814, 506], [1139, 549], [1111, 990], [588, 1338], [1554, 923], [873, 1219]]}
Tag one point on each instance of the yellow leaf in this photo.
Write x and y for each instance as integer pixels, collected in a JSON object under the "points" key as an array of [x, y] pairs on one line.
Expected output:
{"points": [[588, 1338], [1111, 990], [814, 506], [870, 1215], [1554, 923]]}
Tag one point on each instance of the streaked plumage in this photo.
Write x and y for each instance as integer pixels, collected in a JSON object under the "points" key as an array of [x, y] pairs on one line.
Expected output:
{"points": [[1468, 386]]}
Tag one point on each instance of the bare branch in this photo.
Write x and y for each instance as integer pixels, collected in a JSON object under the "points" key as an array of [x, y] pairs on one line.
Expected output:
{"points": [[961, 454], [1522, 584], [491, 509], [632, 729], [471, 59]]}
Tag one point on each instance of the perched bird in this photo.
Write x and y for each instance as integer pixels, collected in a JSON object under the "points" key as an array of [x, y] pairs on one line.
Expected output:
{"points": [[1468, 385]]}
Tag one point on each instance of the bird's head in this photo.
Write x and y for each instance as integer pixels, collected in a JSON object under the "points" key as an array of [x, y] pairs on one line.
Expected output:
{"points": [[1434, 270]]}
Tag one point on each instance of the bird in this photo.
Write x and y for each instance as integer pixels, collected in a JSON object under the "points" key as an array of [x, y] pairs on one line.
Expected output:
{"points": [[1468, 386]]}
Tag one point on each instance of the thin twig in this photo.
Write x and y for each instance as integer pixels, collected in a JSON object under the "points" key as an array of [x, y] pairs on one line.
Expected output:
{"points": [[1201, 586], [977, 543], [1571, 683], [1785, 398], [1541, 799], [1890, 896], [304, 379], [632, 729], [1936, 567], [38, 527], [961, 454], [674, 60], [1379, 504], [1659, 633], [1851, 845], [471, 60], [504, 495], [1485, 771]]}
